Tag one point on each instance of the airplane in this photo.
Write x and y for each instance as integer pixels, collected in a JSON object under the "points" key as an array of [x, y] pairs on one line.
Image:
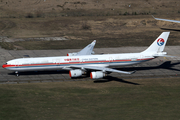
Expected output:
{"points": [[176, 21], [98, 65]]}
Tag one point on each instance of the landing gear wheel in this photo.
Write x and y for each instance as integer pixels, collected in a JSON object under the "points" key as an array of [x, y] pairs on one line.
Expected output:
{"points": [[17, 74]]}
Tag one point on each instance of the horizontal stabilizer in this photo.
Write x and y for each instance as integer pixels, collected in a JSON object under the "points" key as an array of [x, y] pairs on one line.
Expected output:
{"points": [[163, 56]]}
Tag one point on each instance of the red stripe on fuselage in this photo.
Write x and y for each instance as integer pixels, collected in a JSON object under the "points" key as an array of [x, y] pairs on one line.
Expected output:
{"points": [[6, 65]]}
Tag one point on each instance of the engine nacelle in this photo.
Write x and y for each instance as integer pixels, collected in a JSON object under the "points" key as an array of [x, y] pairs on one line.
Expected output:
{"points": [[71, 54], [75, 73], [97, 75]]}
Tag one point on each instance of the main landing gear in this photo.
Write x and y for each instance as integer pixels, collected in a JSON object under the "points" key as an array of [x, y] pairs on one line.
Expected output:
{"points": [[17, 73]]}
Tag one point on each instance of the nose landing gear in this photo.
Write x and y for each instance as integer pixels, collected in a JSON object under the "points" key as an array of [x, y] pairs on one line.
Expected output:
{"points": [[17, 73]]}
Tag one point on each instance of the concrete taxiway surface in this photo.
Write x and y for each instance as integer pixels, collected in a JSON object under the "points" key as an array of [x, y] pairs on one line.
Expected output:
{"points": [[160, 67]]}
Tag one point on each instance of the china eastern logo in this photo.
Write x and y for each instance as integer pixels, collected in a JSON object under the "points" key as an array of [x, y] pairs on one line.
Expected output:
{"points": [[160, 41]]}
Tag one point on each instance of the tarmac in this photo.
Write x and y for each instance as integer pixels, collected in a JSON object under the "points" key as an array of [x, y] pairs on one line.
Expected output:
{"points": [[161, 67]]}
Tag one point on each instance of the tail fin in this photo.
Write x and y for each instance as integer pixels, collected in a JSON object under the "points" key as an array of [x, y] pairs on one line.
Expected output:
{"points": [[158, 45]]}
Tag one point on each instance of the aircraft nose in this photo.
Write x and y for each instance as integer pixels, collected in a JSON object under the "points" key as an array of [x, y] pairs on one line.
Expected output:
{"points": [[4, 66]]}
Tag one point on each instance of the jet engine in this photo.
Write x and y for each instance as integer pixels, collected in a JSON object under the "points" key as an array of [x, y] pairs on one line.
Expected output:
{"points": [[75, 73], [97, 75]]}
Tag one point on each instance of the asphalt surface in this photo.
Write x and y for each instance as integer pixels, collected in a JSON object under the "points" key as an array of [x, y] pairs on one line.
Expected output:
{"points": [[161, 67]]}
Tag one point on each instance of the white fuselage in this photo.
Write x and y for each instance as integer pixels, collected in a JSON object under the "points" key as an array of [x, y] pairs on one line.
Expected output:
{"points": [[63, 62]]}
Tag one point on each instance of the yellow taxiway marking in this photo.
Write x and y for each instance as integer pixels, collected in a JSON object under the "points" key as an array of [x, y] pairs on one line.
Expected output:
{"points": [[165, 58]]}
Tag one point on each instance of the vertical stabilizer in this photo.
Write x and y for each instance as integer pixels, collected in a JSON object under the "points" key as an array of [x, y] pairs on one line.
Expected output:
{"points": [[158, 45]]}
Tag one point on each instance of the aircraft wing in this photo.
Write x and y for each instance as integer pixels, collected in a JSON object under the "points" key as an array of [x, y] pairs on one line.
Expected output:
{"points": [[176, 21], [88, 50], [103, 69]]}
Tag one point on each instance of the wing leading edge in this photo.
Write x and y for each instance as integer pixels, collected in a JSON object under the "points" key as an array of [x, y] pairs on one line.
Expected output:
{"points": [[176, 21]]}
